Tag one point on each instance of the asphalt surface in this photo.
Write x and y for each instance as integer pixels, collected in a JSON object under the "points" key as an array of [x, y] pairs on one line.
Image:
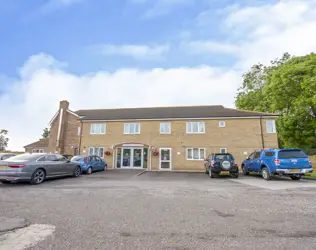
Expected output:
{"points": [[120, 210]]}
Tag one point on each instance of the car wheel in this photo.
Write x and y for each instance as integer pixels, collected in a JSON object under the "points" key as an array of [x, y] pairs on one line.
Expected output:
{"points": [[244, 170], [210, 174], [77, 172], [89, 170], [5, 182], [235, 175], [265, 173], [38, 177], [296, 178]]}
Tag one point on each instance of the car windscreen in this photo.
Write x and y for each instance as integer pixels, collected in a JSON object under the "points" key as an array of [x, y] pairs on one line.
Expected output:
{"points": [[77, 158], [285, 154], [223, 157], [24, 157]]}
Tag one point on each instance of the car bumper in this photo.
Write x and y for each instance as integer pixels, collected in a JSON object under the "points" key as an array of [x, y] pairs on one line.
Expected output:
{"points": [[233, 170], [290, 171], [14, 176]]}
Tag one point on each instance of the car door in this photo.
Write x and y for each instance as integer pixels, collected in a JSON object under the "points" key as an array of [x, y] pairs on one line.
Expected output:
{"points": [[92, 162], [65, 166], [248, 162], [100, 163], [256, 161], [51, 165]]}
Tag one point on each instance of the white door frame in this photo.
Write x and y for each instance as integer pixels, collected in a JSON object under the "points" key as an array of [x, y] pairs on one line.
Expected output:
{"points": [[132, 158], [170, 161]]}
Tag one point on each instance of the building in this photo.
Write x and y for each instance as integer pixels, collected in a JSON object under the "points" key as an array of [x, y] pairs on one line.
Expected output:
{"points": [[40, 146], [162, 138]]}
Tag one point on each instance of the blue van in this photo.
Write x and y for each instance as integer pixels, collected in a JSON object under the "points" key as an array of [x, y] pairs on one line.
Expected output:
{"points": [[90, 163], [290, 162]]}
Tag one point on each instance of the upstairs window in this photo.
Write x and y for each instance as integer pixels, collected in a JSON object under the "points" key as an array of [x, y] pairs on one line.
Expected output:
{"points": [[165, 128], [271, 126], [97, 129], [222, 124], [131, 128], [195, 127]]}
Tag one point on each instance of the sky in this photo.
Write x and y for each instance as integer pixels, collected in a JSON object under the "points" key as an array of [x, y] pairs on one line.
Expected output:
{"points": [[136, 53]]}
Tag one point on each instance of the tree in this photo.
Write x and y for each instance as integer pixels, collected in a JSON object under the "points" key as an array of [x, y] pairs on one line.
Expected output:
{"points": [[46, 132], [286, 87], [3, 139]]}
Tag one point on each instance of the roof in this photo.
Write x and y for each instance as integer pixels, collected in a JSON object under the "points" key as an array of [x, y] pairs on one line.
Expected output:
{"points": [[42, 143], [184, 112]]}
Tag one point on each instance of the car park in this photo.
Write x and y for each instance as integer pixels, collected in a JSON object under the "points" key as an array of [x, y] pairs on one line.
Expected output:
{"points": [[90, 163], [221, 164], [37, 167], [4, 156], [290, 162]]}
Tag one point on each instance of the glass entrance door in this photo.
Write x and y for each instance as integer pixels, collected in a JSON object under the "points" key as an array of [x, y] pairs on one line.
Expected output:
{"points": [[126, 158], [131, 158]]}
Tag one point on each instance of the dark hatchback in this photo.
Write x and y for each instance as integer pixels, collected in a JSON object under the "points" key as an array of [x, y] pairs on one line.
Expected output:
{"points": [[221, 164]]}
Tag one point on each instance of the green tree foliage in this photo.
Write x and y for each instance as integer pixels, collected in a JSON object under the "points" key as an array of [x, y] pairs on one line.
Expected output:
{"points": [[3, 140], [286, 87], [46, 133]]}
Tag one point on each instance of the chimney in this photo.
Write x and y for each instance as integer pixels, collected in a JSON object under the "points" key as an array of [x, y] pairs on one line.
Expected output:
{"points": [[64, 105]]}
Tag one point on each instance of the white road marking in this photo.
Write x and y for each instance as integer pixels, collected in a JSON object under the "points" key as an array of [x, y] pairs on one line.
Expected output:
{"points": [[277, 184], [25, 237]]}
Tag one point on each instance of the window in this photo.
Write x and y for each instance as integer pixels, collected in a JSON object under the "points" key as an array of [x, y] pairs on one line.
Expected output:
{"points": [[195, 154], [269, 154], [165, 128], [96, 151], [286, 154], [50, 158], [222, 124], [37, 151], [97, 129], [223, 150], [257, 155], [223, 157], [271, 126], [195, 127], [131, 128], [79, 130]]}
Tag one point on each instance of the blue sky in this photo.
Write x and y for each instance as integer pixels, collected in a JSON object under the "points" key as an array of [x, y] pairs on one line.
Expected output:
{"points": [[137, 53]]}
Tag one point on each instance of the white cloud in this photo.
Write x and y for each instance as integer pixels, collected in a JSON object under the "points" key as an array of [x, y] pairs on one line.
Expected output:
{"points": [[162, 7], [33, 99], [142, 52], [56, 4], [263, 32]]}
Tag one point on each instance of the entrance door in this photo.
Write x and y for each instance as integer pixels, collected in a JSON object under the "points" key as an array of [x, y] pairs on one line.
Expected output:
{"points": [[165, 159], [137, 157], [126, 158]]}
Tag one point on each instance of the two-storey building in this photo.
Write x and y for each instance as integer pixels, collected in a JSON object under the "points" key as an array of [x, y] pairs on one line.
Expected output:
{"points": [[162, 138]]}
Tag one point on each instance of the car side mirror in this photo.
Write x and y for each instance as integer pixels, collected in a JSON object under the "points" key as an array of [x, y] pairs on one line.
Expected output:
{"points": [[68, 161]]}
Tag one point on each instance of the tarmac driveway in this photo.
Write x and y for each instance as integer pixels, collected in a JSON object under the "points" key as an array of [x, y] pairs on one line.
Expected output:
{"points": [[154, 210]]}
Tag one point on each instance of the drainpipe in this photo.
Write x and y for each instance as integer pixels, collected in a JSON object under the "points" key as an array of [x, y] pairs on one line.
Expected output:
{"points": [[261, 133], [80, 138]]}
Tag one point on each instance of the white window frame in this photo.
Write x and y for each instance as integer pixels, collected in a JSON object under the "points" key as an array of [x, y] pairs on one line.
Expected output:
{"points": [[94, 151], [224, 149], [38, 151], [127, 128], [200, 159], [272, 123], [222, 124], [199, 124], [94, 125], [162, 128]]}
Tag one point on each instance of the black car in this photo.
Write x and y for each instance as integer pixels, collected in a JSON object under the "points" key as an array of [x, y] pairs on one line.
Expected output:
{"points": [[221, 164]]}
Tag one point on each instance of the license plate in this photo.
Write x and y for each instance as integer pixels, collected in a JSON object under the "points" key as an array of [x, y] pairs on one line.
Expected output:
{"points": [[295, 170], [3, 167], [224, 172]]}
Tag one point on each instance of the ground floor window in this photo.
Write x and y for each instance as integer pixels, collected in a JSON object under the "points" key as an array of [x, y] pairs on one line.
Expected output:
{"points": [[38, 151], [223, 150], [195, 154], [96, 151]]}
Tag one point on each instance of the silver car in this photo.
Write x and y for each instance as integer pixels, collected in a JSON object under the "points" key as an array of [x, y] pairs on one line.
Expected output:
{"points": [[35, 168], [4, 156]]}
